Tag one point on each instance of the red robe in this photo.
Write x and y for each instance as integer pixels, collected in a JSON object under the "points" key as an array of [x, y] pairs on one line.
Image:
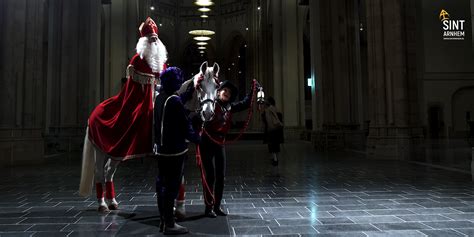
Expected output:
{"points": [[122, 125]]}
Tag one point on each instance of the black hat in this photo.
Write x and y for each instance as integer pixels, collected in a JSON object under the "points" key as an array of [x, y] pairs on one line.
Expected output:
{"points": [[233, 90]]}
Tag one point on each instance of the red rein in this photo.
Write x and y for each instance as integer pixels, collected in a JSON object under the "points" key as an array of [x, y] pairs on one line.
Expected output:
{"points": [[242, 130], [205, 185]]}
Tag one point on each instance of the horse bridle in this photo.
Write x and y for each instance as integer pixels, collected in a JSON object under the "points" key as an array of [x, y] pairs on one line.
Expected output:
{"points": [[202, 102]]}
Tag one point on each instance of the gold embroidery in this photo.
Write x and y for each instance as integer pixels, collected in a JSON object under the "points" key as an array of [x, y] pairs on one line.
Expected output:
{"points": [[142, 78]]}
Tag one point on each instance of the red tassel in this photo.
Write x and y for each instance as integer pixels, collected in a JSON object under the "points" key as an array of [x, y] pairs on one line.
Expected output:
{"points": [[99, 190], [110, 190]]}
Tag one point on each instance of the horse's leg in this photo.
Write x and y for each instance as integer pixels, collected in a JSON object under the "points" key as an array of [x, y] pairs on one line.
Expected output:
{"points": [[99, 179], [111, 167], [180, 211]]}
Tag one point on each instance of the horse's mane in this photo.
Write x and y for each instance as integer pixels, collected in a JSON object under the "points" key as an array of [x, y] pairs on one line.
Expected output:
{"points": [[193, 103]]}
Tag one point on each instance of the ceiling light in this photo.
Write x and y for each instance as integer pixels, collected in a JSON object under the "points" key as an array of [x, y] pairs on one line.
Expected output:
{"points": [[202, 38], [204, 3], [204, 9], [202, 32], [204, 16], [201, 52], [201, 47], [152, 8]]}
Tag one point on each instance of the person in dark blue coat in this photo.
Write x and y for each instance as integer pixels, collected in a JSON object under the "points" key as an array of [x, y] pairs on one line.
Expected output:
{"points": [[172, 131]]}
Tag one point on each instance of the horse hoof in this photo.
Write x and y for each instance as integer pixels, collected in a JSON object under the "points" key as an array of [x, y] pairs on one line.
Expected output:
{"points": [[103, 209], [113, 207]]}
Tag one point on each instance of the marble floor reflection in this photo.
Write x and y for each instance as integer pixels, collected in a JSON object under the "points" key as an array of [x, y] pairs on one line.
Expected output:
{"points": [[307, 194]]}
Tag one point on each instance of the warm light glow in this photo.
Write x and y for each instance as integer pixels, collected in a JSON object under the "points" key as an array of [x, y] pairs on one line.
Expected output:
{"points": [[204, 16], [202, 38], [204, 9], [204, 3], [202, 32], [201, 43]]}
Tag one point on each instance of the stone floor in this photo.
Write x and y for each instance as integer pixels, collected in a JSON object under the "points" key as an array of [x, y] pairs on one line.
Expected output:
{"points": [[308, 194]]}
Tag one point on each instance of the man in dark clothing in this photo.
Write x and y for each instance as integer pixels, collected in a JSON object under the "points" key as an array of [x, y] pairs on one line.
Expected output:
{"points": [[172, 130], [212, 145]]}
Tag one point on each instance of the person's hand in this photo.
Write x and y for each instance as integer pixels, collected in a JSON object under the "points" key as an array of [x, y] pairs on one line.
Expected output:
{"points": [[197, 80], [257, 84]]}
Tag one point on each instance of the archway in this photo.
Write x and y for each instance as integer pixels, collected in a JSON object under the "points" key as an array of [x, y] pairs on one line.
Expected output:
{"points": [[463, 110], [192, 58]]}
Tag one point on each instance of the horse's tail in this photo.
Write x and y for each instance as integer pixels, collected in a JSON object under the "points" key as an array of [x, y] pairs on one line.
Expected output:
{"points": [[88, 167]]}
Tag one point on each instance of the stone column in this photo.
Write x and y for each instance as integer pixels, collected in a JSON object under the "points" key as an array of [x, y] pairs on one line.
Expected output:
{"points": [[22, 59], [287, 83], [393, 128], [302, 13], [125, 18], [277, 52], [336, 69], [118, 45], [254, 63], [472, 22], [317, 111], [73, 71]]}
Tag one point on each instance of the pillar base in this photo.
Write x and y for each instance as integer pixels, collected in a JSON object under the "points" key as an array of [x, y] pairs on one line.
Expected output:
{"points": [[293, 133], [395, 143], [339, 137], [21, 146], [64, 139], [472, 163]]}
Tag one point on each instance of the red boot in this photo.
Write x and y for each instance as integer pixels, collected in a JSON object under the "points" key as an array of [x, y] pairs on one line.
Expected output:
{"points": [[110, 195]]}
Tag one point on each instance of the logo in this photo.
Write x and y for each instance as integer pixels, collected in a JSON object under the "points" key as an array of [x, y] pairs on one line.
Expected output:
{"points": [[443, 15], [452, 29]]}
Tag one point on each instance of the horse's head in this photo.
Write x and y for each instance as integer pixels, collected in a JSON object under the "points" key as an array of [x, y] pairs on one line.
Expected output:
{"points": [[207, 83]]}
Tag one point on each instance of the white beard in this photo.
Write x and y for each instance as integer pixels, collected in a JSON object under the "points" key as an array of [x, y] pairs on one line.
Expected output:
{"points": [[154, 53]]}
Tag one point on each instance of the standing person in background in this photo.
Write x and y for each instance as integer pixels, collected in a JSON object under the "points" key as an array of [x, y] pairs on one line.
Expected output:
{"points": [[273, 121]]}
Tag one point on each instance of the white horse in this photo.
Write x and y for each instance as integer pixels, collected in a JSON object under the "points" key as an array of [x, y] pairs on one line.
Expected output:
{"points": [[205, 95], [201, 104]]}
